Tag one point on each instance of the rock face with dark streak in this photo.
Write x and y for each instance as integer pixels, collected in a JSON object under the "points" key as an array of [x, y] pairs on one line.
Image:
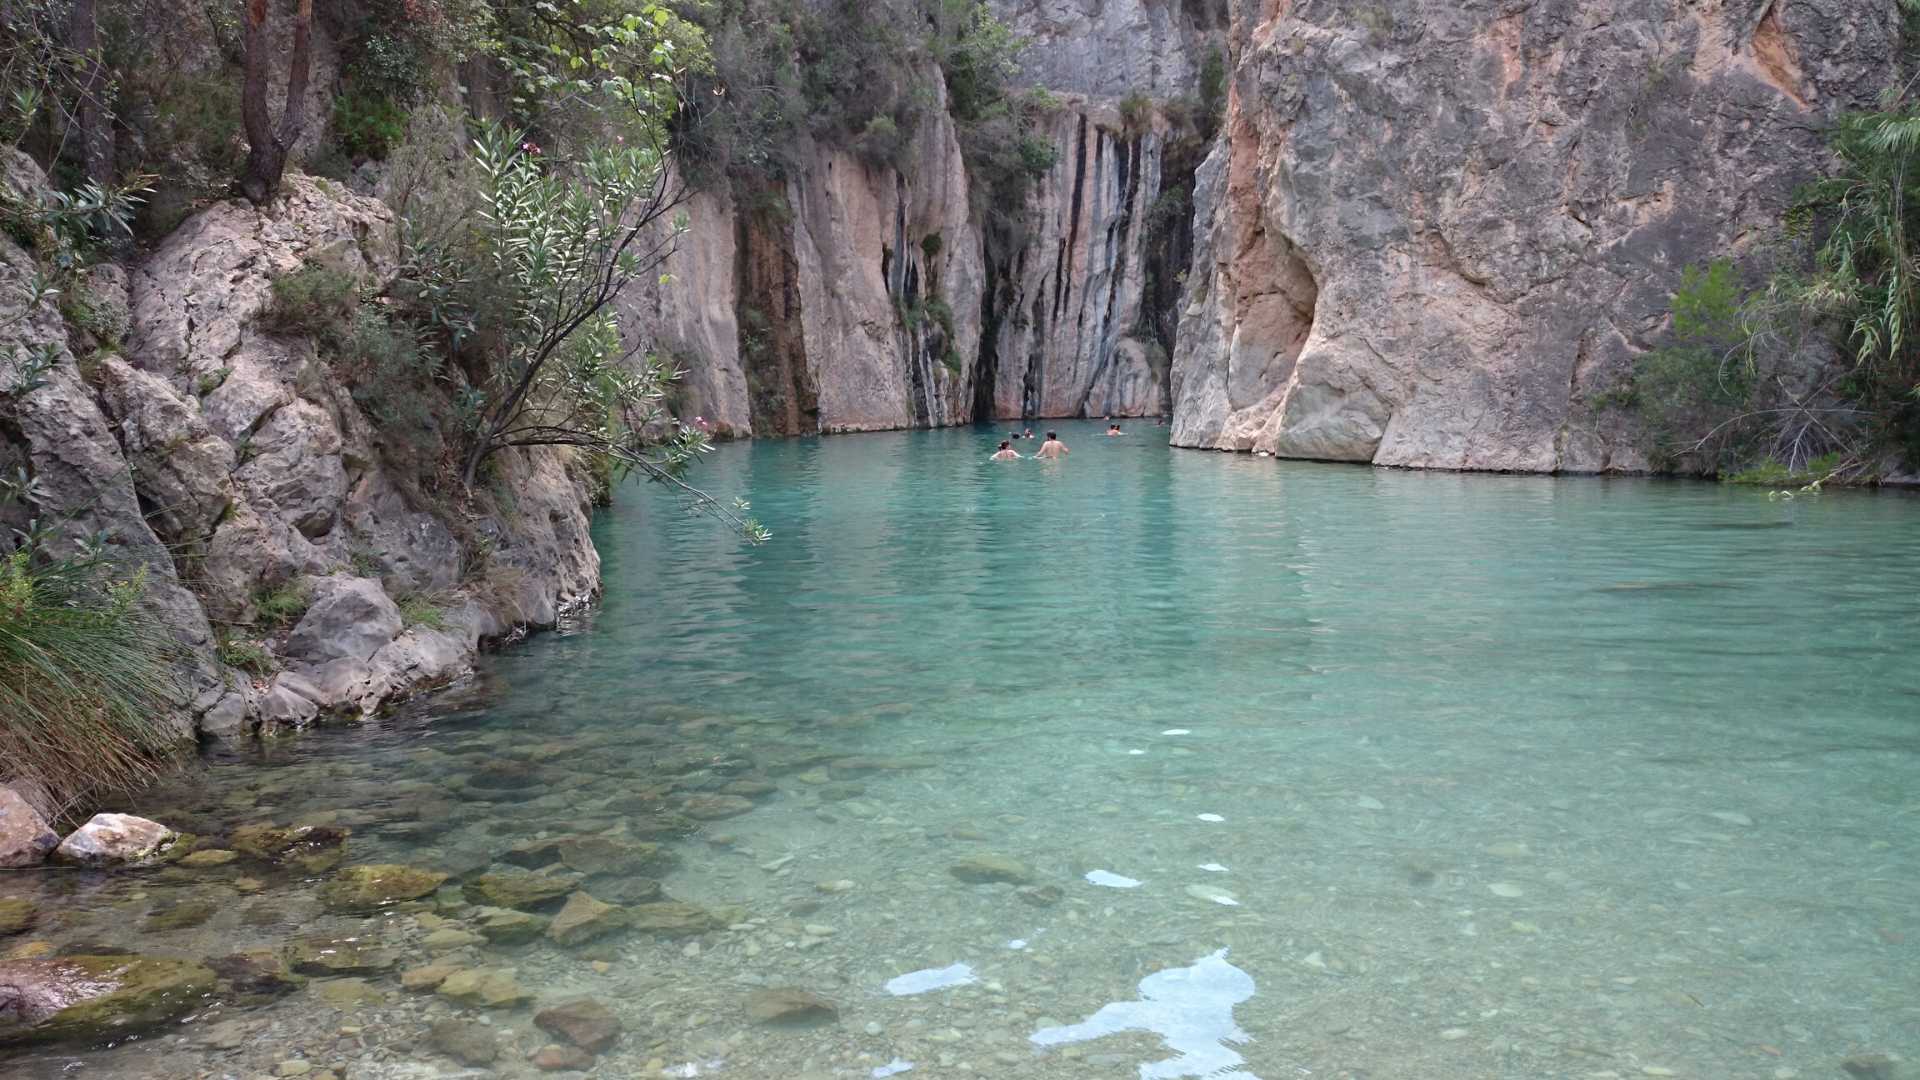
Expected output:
{"points": [[1433, 234]]}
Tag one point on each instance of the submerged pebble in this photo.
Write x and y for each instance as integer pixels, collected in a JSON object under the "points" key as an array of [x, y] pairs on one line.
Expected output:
{"points": [[927, 979]]}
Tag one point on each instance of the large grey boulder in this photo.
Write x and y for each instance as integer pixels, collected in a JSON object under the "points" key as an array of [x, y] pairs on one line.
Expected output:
{"points": [[25, 837], [350, 618], [114, 840]]}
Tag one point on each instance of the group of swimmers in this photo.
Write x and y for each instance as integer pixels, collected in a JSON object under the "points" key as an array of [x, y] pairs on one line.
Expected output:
{"points": [[1052, 448]]}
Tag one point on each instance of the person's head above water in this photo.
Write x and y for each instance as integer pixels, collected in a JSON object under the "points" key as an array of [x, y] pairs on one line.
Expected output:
{"points": [[1051, 437], [1004, 444]]}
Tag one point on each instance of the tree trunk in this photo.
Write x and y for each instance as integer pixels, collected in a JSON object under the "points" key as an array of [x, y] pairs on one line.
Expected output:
{"points": [[267, 148], [94, 120]]}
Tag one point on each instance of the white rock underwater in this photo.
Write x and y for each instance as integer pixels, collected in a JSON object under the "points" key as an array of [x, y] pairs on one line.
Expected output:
{"points": [[1191, 1008]]}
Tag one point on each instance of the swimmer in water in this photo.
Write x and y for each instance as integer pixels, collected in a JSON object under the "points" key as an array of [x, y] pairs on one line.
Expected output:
{"points": [[1052, 448], [1006, 452]]}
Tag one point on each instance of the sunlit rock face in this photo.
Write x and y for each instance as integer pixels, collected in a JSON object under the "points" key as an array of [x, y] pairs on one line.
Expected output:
{"points": [[1433, 234]]}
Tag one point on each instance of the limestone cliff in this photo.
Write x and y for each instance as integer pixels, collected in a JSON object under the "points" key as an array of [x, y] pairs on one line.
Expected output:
{"points": [[855, 297], [1433, 234], [233, 462], [845, 299], [1071, 328]]}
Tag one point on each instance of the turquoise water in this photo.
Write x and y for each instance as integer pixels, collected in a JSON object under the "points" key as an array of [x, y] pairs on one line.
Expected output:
{"points": [[1470, 776]]}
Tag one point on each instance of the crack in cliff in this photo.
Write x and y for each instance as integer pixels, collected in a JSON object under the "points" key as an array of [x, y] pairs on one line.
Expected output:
{"points": [[1069, 247], [781, 396]]}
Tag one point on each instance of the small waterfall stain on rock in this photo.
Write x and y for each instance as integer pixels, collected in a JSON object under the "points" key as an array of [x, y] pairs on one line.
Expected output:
{"points": [[1191, 1008]]}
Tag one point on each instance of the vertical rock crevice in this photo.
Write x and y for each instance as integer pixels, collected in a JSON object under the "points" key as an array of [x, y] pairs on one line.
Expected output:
{"points": [[773, 351]]}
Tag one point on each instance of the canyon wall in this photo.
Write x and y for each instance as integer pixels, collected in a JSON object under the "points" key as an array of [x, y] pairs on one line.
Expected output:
{"points": [[844, 299], [1436, 234], [855, 297]]}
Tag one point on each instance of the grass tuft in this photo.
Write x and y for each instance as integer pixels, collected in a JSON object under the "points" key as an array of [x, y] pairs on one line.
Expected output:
{"points": [[86, 676]]}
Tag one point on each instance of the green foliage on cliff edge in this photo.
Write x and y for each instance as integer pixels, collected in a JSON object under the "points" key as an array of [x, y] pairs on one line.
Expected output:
{"points": [[855, 74], [1819, 361]]}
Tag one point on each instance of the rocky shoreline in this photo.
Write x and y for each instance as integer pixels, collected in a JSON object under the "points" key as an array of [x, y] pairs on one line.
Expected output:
{"points": [[522, 883]]}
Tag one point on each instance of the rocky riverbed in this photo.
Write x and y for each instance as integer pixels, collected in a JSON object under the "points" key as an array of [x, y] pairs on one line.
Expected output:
{"points": [[692, 894]]}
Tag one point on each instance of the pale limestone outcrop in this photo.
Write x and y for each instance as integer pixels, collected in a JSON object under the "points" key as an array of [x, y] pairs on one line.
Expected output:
{"points": [[691, 318], [1112, 48], [25, 837], [211, 449], [876, 257], [114, 840], [1432, 235], [853, 298], [280, 478]]}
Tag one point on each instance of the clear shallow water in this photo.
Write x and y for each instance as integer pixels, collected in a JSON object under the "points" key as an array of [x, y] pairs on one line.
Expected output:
{"points": [[1503, 777]]}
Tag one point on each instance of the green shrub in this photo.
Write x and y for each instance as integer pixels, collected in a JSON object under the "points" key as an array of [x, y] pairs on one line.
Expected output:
{"points": [[368, 124], [1776, 474], [420, 610], [249, 656], [1136, 112], [282, 605], [1690, 389], [392, 376], [213, 380], [1038, 155], [1213, 87], [882, 142], [317, 301]]}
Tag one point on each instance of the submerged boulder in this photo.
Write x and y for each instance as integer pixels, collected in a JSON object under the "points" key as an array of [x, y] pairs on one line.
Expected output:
{"points": [[359, 890], [614, 855], [670, 918], [583, 919], [483, 988], [789, 1005], [256, 975], [528, 892], [25, 837], [16, 916], [583, 1022], [989, 867], [95, 998], [115, 840], [312, 848], [339, 956], [507, 926], [468, 1042]]}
